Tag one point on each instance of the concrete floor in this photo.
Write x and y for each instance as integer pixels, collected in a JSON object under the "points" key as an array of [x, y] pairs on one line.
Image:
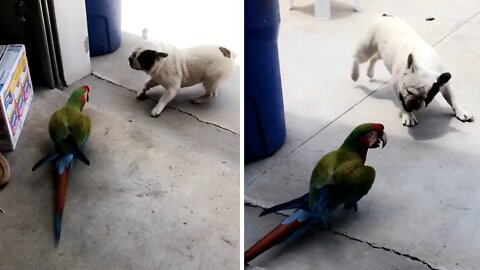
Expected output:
{"points": [[161, 193], [425, 202]]}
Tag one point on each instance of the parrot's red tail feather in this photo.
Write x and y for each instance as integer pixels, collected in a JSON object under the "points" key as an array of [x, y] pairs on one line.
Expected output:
{"points": [[274, 237], [62, 182]]}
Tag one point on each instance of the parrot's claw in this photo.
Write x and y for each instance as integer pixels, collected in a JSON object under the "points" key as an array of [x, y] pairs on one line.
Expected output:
{"points": [[350, 206]]}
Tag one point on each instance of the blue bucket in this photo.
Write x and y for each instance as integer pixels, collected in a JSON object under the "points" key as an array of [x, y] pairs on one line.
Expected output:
{"points": [[264, 116], [104, 19]]}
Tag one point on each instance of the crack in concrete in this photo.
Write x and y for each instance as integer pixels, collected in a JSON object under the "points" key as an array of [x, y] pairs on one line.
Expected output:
{"points": [[98, 76], [205, 122], [372, 245], [396, 252], [455, 29]]}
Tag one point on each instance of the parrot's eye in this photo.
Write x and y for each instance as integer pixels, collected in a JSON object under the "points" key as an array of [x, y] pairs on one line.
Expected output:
{"points": [[371, 134]]}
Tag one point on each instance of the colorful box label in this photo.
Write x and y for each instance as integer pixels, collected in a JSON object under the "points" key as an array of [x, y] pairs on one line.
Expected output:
{"points": [[16, 93]]}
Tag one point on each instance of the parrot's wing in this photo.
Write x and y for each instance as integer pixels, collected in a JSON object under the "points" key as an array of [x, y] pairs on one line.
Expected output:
{"points": [[353, 180], [79, 127], [300, 202], [47, 158], [322, 175]]}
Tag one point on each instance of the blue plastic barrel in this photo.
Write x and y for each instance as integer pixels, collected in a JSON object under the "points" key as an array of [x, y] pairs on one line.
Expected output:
{"points": [[264, 117], [104, 19]]}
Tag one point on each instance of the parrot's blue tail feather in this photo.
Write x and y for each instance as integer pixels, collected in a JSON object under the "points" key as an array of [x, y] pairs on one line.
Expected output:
{"points": [[301, 202], [58, 226], [299, 215], [63, 163], [305, 218], [45, 159]]}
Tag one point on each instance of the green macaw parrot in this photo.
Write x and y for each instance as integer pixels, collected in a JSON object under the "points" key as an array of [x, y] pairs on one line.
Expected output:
{"points": [[68, 129], [340, 177]]}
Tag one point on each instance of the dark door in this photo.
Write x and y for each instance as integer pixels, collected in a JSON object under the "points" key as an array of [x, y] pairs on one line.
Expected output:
{"points": [[29, 22]]}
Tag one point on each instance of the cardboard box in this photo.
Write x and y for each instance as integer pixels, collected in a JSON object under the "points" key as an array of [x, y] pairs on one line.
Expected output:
{"points": [[16, 93]]}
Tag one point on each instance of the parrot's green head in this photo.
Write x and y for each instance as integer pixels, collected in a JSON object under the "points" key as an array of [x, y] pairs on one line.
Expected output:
{"points": [[79, 97], [364, 136]]}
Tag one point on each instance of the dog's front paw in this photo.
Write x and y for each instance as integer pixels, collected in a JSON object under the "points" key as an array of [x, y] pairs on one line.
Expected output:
{"points": [[463, 115], [141, 95], [155, 112], [409, 120]]}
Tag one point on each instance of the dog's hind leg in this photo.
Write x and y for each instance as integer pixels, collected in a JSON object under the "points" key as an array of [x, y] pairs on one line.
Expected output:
{"points": [[371, 66], [364, 52], [149, 84], [211, 85]]}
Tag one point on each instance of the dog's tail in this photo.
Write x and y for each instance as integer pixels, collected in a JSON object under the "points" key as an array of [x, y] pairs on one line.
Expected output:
{"points": [[145, 33], [234, 56]]}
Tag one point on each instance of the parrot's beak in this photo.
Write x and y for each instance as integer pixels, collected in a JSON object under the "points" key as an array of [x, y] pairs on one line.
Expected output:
{"points": [[383, 139], [86, 88]]}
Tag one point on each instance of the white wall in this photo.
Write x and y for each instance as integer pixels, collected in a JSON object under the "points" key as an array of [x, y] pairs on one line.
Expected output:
{"points": [[186, 23], [72, 28]]}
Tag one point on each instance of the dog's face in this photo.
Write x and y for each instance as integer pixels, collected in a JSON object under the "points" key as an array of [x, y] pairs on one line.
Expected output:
{"points": [[418, 86], [144, 58]]}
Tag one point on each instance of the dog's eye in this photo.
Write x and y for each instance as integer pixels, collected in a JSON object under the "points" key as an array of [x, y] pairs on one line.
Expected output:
{"points": [[409, 92]]}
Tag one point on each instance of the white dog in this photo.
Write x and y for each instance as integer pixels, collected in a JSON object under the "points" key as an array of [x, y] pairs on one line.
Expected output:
{"points": [[175, 68], [416, 68]]}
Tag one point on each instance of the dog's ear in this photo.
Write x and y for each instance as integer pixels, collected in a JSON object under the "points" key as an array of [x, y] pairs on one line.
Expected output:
{"points": [[444, 78], [147, 58], [411, 63], [441, 80], [162, 55]]}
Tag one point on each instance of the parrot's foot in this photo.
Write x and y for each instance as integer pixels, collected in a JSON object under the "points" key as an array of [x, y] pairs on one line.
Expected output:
{"points": [[350, 206], [463, 115], [409, 120]]}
